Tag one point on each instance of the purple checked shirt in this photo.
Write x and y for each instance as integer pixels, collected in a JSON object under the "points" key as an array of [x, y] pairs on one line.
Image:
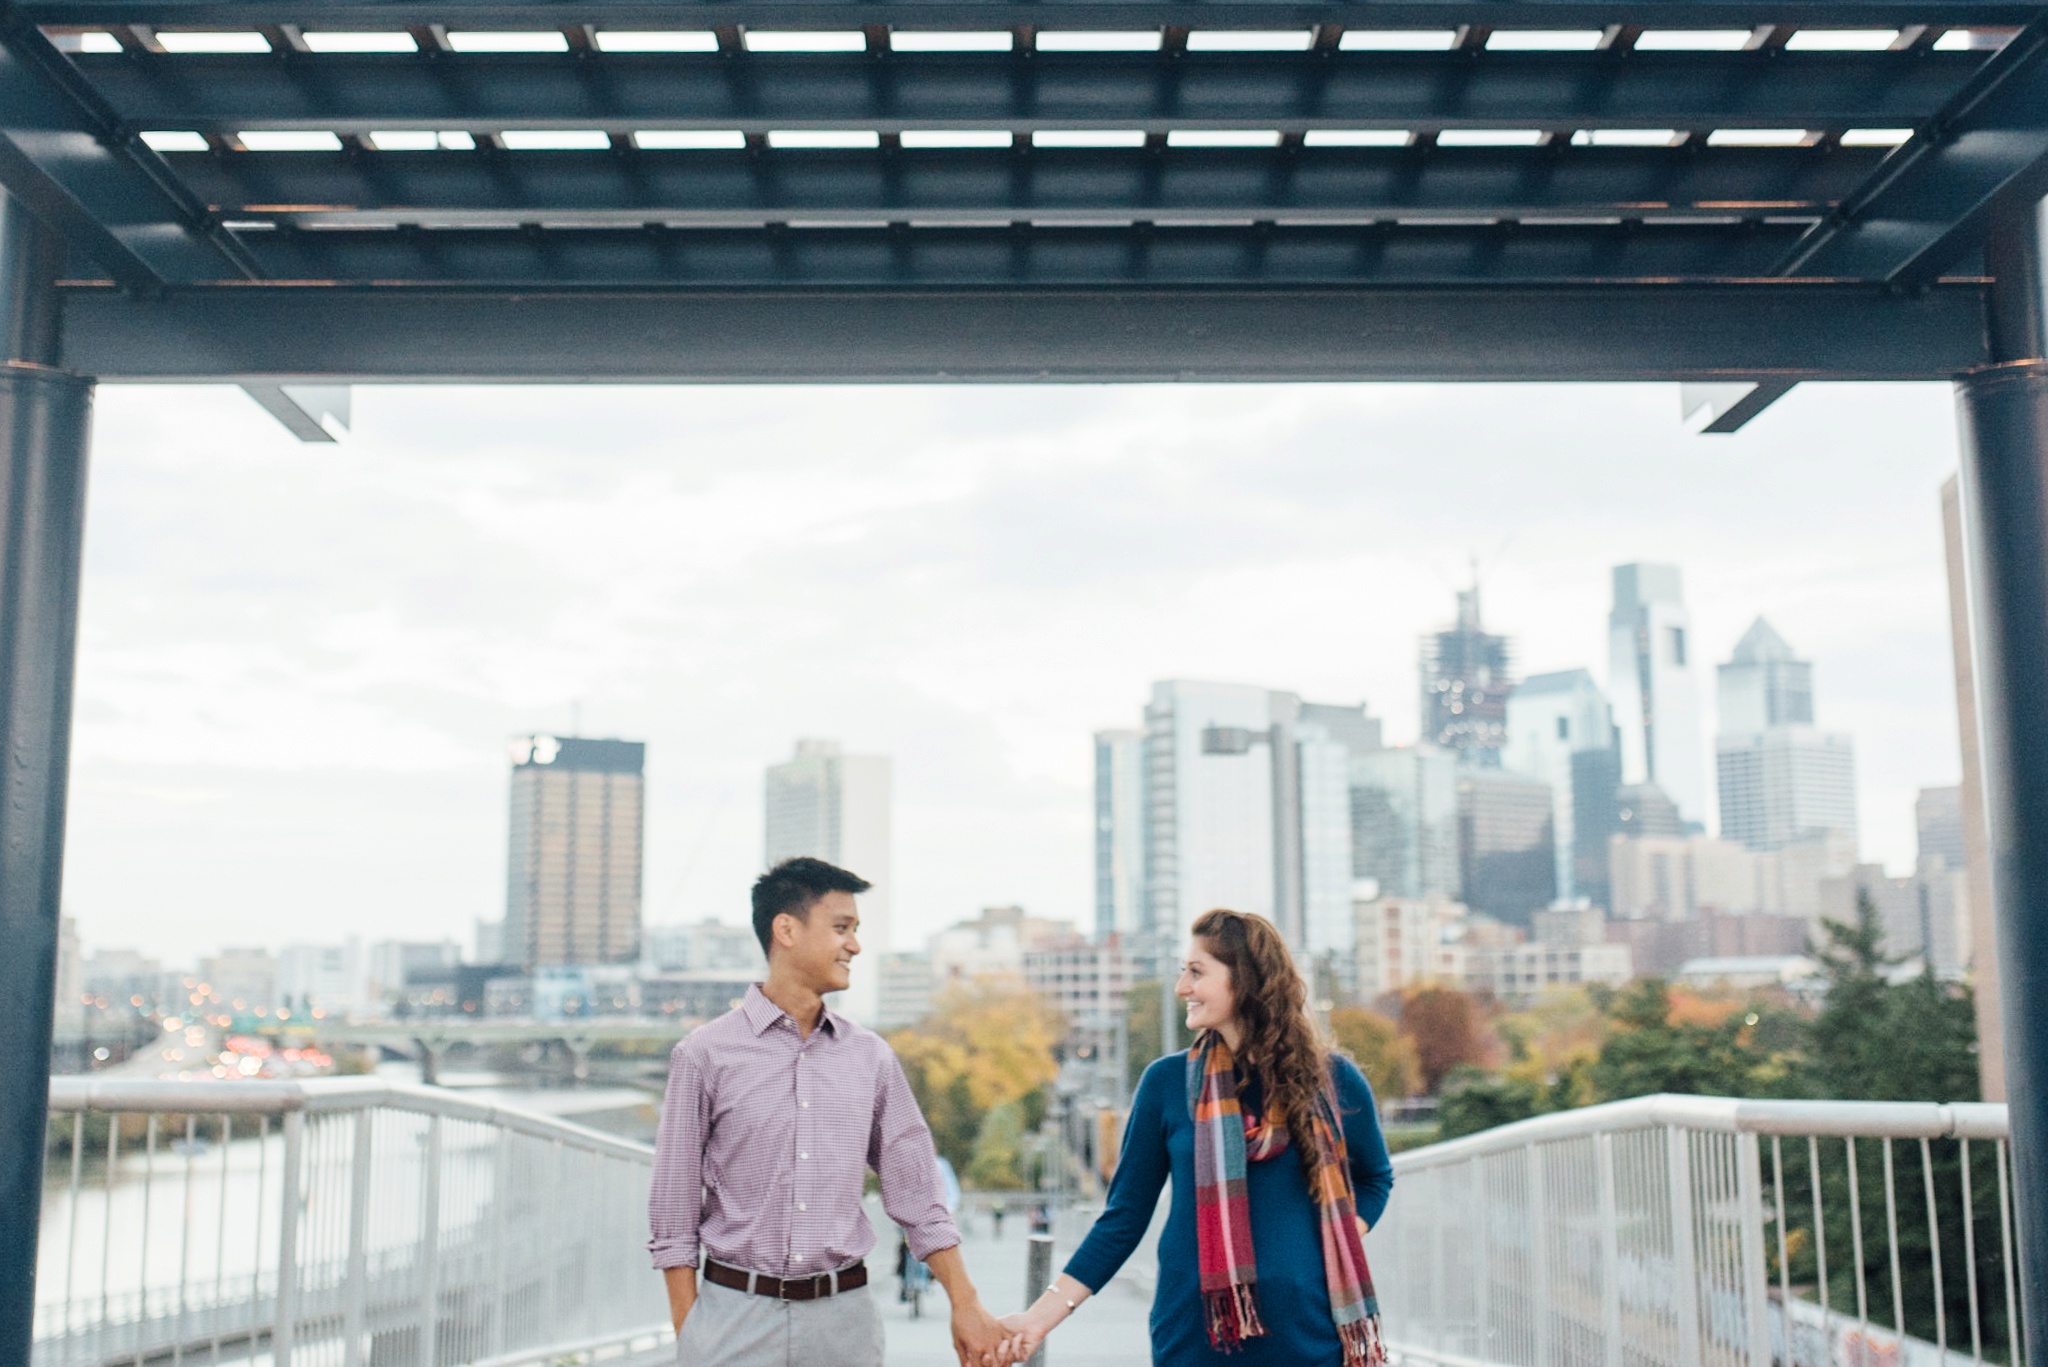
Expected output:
{"points": [[766, 1138]]}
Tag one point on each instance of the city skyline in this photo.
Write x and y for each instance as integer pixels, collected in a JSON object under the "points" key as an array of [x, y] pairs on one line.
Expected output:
{"points": [[971, 581]]}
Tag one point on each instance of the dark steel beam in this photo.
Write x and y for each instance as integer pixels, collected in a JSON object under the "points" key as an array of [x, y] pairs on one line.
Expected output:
{"points": [[1022, 91], [724, 189], [1508, 254], [44, 416], [1753, 331], [956, 14], [66, 156], [1930, 202], [2004, 430]]}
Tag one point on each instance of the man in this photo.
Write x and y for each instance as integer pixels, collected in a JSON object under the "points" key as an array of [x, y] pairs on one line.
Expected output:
{"points": [[774, 1113]]}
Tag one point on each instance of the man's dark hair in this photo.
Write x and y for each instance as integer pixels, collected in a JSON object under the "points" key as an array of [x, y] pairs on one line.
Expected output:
{"points": [[794, 886]]}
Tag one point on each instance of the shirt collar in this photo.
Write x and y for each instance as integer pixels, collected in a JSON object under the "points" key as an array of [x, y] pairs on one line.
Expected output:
{"points": [[762, 1013]]}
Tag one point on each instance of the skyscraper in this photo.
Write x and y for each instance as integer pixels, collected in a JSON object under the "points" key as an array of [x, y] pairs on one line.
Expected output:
{"points": [[1467, 675], [1938, 817], [835, 807], [1551, 718], [1119, 831], [1782, 780], [572, 887], [1764, 684], [1507, 846], [1650, 682], [1246, 805], [1404, 821]]}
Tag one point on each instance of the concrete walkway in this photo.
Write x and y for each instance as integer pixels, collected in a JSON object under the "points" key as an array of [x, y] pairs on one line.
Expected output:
{"points": [[1109, 1331]]}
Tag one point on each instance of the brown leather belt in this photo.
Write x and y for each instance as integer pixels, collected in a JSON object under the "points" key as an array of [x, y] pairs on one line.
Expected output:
{"points": [[787, 1288]]}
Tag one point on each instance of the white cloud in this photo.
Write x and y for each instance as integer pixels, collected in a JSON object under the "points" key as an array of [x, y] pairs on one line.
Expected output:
{"points": [[299, 663]]}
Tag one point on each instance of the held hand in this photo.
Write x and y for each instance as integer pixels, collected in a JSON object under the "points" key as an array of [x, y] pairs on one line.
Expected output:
{"points": [[1025, 1336], [979, 1339]]}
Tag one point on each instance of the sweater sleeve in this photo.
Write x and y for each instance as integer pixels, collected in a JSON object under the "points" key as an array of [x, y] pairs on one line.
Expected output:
{"points": [[1372, 1170], [1142, 1168]]}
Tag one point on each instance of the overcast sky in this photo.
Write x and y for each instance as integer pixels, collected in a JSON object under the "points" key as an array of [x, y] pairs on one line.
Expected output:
{"points": [[299, 665]]}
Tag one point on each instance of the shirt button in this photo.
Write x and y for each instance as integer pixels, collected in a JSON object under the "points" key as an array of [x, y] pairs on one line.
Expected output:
{"points": [[803, 1155], [803, 1105], [801, 1206]]}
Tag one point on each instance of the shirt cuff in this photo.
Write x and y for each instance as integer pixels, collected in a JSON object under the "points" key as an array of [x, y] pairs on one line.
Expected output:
{"points": [[670, 1253], [936, 1237]]}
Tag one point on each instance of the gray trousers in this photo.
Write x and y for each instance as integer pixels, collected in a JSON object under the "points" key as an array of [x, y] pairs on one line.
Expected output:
{"points": [[729, 1328]]}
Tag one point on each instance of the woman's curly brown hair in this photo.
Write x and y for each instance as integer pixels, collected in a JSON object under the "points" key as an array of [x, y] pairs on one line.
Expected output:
{"points": [[1277, 1042]]}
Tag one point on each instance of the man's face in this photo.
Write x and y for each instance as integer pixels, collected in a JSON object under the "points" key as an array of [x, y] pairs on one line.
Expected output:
{"points": [[821, 946]]}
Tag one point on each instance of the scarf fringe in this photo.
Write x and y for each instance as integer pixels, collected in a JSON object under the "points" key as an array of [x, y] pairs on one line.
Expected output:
{"points": [[1233, 1313], [1363, 1346]]}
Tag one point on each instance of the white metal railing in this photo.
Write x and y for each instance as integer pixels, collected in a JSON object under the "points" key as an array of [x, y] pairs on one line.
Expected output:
{"points": [[335, 1222], [1673, 1231]]}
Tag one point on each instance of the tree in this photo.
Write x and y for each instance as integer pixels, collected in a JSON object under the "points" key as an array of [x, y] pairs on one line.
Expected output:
{"points": [[1381, 1051], [984, 1045], [1475, 1100], [1650, 1052], [1447, 1030], [996, 1164], [1879, 1041]]}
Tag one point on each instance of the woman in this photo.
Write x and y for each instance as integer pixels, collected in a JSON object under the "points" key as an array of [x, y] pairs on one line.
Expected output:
{"points": [[1278, 1168]]}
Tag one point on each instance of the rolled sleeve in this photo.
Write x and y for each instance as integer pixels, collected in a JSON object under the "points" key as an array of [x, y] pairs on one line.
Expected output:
{"points": [[901, 1153], [675, 1200]]}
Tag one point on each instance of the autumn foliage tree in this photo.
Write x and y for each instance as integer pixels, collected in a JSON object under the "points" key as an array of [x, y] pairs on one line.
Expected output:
{"points": [[985, 1046], [1385, 1055], [1448, 1029]]}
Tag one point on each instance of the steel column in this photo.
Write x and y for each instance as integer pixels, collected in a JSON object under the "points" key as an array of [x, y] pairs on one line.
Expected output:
{"points": [[2004, 437], [44, 417]]}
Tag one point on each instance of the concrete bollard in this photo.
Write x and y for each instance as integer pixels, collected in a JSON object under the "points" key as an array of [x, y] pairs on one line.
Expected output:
{"points": [[1037, 1276]]}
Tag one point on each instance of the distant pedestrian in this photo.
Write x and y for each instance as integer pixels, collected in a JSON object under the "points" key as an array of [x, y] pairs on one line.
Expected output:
{"points": [[995, 1216], [1271, 1272]]}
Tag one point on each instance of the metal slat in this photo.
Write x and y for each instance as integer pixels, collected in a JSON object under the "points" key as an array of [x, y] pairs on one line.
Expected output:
{"points": [[740, 189], [963, 257], [1032, 90]]}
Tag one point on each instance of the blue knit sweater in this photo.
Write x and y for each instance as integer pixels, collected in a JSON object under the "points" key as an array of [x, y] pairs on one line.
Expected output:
{"points": [[1294, 1296]]}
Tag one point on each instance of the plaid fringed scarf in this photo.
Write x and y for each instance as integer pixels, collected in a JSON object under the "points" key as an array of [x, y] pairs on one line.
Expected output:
{"points": [[1224, 1142]]}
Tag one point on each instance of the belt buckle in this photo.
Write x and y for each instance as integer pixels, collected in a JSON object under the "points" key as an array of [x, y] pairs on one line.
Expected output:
{"points": [[783, 1291]]}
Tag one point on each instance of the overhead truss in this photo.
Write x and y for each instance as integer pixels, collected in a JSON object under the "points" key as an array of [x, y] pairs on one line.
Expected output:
{"points": [[202, 154]]}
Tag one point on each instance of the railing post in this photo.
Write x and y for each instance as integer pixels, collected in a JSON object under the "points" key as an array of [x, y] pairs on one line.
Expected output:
{"points": [[501, 1197], [1684, 1255], [1483, 1303], [353, 1325], [1610, 1258], [1756, 1278], [430, 1239], [281, 1328], [1539, 1258]]}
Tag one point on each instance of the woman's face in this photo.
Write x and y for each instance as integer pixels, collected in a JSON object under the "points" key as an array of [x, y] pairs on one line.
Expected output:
{"points": [[1205, 986]]}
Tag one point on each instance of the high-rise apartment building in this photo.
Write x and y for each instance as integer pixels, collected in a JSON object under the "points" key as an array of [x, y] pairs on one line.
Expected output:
{"points": [[1467, 677], [1782, 780], [572, 886], [832, 806], [1553, 718], [1650, 682], [1404, 821], [1245, 803], [1119, 832], [1507, 845]]}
